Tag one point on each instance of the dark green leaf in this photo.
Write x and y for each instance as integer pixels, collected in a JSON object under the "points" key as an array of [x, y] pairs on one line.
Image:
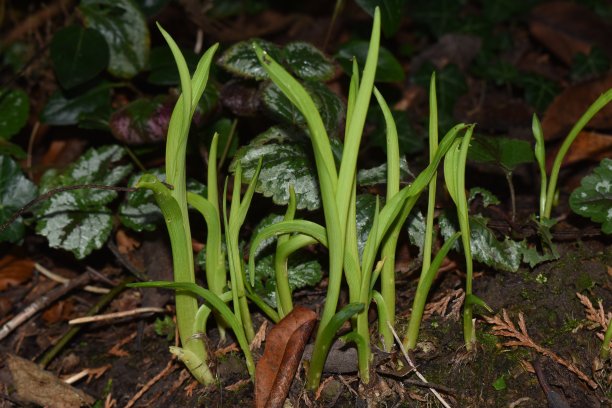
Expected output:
{"points": [[366, 206], [140, 212], [378, 174], [11, 149], [488, 198], [501, 151], [503, 255], [14, 109], [240, 59], [286, 161], [15, 192], [391, 13], [125, 29], [268, 220], [450, 84], [589, 66], [329, 105], [307, 62], [388, 69], [151, 7], [416, 230], [78, 220], [593, 199], [301, 272], [142, 121], [78, 55], [438, 17], [539, 91], [494, 69], [410, 141], [61, 110], [163, 68]]}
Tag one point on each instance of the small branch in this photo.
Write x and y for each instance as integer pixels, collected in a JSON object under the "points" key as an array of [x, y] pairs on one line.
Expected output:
{"points": [[57, 278], [169, 368], [116, 315], [42, 303]]}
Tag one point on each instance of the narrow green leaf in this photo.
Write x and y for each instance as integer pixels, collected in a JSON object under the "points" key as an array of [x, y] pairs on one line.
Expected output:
{"points": [[241, 59]]}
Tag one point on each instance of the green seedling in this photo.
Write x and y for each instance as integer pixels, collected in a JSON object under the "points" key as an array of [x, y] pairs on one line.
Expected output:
{"points": [[454, 175], [548, 190], [338, 195], [604, 351], [173, 199]]}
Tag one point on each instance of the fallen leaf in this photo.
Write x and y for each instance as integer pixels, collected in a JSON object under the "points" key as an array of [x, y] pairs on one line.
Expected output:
{"points": [[284, 347], [570, 104], [35, 385], [125, 243], [59, 311], [592, 146], [14, 271], [567, 28]]}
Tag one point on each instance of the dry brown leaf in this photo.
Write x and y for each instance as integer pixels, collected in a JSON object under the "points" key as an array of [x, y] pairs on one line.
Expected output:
{"points": [[125, 243], [14, 270], [569, 105], [59, 311], [567, 28], [284, 348]]}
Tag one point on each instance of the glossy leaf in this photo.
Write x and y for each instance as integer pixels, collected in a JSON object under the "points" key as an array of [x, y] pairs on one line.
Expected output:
{"points": [[14, 109], [125, 29], [593, 199], [366, 206], [503, 255], [488, 198], [286, 161], [504, 152], [11, 149], [64, 110], [388, 68], [416, 230], [378, 174], [307, 62], [78, 55], [329, 105], [301, 272], [15, 192], [140, 212], [391, 13], [78, 220], [151, 7], [142, 121], [240, 59]]}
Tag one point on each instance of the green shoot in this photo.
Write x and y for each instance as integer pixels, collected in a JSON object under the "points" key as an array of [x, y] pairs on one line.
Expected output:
{"points": [[454, 174], [598, 105]]}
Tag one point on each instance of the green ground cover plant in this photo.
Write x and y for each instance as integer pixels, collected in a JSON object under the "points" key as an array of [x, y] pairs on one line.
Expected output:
{"points": [[330, 218]]}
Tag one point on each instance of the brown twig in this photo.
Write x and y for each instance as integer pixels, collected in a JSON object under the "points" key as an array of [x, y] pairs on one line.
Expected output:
{"points": [[503, 326], [597, 316]]}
